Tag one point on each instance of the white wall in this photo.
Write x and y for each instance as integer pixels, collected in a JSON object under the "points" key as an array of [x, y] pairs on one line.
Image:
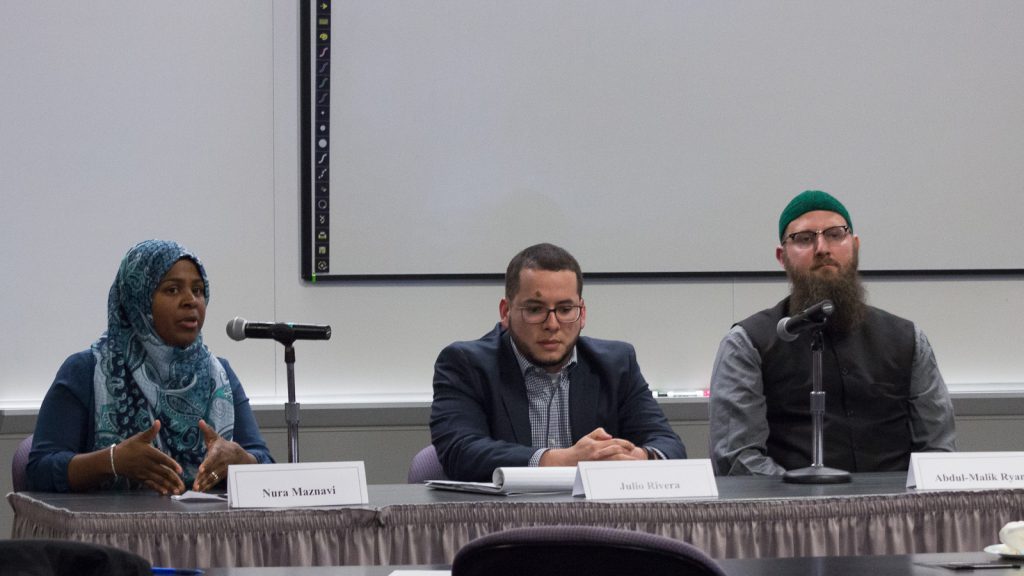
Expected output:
{"points": [[117, 126]]}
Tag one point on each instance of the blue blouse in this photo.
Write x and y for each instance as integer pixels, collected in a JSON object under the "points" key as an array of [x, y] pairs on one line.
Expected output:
{"points": [[66, 425]]}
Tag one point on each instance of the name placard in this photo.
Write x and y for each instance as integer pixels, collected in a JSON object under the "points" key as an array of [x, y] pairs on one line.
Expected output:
{"points": [[296, 485], [645, 479], [965, 470]]}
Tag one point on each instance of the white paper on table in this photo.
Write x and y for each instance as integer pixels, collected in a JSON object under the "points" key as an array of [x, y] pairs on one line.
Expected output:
{"points": [[193, 496], [516, 480]]}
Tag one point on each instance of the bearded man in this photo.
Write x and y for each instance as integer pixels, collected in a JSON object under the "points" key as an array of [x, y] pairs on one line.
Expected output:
{"points": [[884, 395]]}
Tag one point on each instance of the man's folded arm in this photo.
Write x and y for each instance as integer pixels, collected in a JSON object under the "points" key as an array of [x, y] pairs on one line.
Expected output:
{"points": [[932, 425], [459, 425], [737, 409]]}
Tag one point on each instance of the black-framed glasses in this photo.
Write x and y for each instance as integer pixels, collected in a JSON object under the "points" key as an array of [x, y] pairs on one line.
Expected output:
{"points": [[564, 313], [807, 238]]}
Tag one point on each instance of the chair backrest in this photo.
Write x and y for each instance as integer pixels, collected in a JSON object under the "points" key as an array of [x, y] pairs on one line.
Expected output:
{"points": [[59, 557], [425, 466], [590, 550], [19, 480]]}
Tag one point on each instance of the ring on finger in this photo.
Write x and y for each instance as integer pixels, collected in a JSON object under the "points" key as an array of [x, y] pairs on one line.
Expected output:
{"points": [[215, 476]]}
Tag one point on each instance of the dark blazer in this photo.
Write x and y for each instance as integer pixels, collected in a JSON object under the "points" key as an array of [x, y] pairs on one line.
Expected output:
{"points": [[480, 418]]}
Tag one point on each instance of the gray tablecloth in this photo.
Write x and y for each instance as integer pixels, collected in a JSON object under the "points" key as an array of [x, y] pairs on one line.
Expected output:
{"points": [[408, 524]]}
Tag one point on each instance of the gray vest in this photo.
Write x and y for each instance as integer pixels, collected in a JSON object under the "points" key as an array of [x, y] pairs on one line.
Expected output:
{"points": [[866, 379]]}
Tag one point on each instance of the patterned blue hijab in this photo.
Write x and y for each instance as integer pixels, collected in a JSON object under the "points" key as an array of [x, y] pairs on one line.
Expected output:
{"points": [[139, 378]]}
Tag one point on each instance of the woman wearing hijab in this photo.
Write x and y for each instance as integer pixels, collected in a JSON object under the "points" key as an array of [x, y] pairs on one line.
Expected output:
{"points": [[147, 404]]}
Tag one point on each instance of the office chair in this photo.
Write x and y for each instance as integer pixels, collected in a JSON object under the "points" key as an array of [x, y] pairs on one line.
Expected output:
{"points": [[19, 480], [589, 550], [425, 466], [60, 557]]}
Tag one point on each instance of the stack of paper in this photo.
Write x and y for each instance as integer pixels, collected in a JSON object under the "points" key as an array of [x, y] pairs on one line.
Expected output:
{"points": [[517, 480]]}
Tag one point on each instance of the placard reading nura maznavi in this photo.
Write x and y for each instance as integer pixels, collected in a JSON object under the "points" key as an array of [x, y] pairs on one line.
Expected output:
{"points": [[296, 485]]}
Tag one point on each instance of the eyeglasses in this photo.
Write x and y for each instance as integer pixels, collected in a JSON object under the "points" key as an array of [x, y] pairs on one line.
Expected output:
{"points": [[807, 238], [564, 313]]}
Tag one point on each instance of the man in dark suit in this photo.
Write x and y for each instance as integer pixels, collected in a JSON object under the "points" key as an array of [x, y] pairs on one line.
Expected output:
{"points": [[533, 392]]}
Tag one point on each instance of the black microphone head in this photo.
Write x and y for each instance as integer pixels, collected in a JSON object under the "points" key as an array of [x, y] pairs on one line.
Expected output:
{"points": [[784, 334], [236, 328]]}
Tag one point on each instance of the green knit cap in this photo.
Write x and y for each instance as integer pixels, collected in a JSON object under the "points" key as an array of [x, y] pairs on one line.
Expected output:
{"points": [[809, 201]]}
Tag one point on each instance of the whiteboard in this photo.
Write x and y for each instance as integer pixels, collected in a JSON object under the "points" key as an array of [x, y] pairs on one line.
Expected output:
{"points": [[665, 136]]}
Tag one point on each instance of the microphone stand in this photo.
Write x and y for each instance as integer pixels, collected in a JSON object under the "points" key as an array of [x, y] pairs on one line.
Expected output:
{"points": [[291, 407], [286, 333], [817, 472]]}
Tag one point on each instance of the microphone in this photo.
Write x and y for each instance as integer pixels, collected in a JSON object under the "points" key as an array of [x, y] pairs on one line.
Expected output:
{"points": [[283, 332], [789, 329]]}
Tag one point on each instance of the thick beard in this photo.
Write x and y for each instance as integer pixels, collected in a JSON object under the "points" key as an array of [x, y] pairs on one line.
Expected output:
{"points": [[845, 290]]}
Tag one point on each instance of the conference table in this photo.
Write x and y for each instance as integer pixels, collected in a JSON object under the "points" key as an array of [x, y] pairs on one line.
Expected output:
{"points": [[403, 524]]}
